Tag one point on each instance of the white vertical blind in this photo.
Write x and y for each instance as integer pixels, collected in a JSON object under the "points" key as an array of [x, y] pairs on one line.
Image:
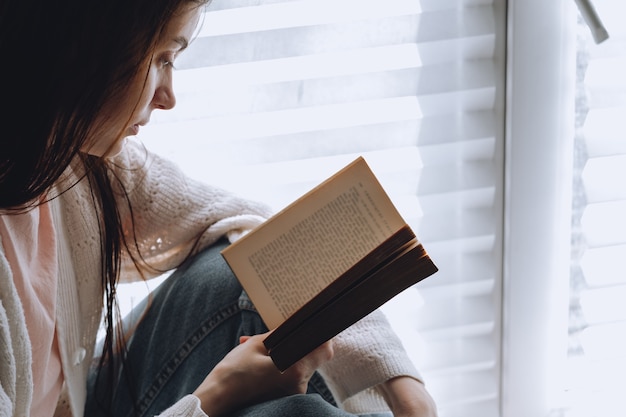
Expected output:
{"points": [[275, 95], [597, 348]]}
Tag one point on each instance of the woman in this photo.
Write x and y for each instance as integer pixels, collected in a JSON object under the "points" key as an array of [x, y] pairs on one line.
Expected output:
{"points": [[82, 208]]}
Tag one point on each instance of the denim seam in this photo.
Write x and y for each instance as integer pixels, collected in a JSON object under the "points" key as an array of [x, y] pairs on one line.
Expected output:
{"points": [[170, 367], [318, 383]]}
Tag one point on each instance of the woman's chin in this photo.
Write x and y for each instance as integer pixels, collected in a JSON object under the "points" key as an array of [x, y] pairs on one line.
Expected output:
{"points": [[108, 152]]}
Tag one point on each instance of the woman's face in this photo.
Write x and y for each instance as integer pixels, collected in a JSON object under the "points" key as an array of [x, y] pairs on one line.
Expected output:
{"points": [[145, 93]]}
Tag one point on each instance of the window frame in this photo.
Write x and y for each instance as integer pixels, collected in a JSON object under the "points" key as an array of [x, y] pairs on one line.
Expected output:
{"points": [[540, 71]]}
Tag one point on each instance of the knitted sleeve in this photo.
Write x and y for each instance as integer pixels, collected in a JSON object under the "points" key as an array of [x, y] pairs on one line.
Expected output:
{"points": [[15, 348], [167, 216], [188, 406], [366, 354]]}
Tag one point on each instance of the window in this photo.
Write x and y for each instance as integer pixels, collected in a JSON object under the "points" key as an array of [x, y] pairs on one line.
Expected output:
{"points": [[275, 95], [466, 111], [477, 145]]}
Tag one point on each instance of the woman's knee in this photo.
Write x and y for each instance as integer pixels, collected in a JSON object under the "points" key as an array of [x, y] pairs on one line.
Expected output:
{"points": [[205, 277]]}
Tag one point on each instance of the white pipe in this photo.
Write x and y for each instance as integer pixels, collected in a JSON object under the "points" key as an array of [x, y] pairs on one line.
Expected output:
{"points": [[591, 17]]}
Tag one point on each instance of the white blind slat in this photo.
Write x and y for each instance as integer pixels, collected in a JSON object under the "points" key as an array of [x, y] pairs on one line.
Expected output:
{"points": [[284, 122], [605, 265], [331, 64], [603, 131], [300, 13], [596, 173], [467, 393]]}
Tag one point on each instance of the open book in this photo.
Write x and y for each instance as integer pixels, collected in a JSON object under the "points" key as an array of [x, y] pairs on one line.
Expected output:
{"points": [[326, 261]]}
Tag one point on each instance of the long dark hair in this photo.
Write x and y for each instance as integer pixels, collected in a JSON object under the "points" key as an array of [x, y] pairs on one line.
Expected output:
{"points": [[63, 61]]}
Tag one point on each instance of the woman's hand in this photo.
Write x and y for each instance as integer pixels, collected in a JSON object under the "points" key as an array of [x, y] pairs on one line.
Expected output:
{"points": [[407, 397], [247, 376]]}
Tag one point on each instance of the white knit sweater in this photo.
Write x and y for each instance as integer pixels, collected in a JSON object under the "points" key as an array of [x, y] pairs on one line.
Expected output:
{"points": [[169, 211]]}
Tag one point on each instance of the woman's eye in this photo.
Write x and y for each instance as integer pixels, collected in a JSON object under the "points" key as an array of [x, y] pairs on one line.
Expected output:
{"points": [[167, 61]]}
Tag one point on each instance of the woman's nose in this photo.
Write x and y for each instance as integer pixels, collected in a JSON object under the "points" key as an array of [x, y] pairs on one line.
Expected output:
{"points": [[164, 98]]}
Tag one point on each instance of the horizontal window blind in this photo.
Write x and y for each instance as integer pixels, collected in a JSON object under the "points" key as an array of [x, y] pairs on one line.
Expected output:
{"points": [[597, 348], [274, 96]]}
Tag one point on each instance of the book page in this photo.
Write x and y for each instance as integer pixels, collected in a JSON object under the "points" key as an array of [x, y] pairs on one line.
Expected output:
{"points": [[298, 252]]}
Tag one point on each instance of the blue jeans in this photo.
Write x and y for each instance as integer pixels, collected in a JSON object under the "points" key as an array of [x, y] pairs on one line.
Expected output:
{"points": [[195, 319]]}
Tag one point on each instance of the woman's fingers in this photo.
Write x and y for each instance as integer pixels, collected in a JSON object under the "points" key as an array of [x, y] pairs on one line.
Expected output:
{"points": [[248, 376]]}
